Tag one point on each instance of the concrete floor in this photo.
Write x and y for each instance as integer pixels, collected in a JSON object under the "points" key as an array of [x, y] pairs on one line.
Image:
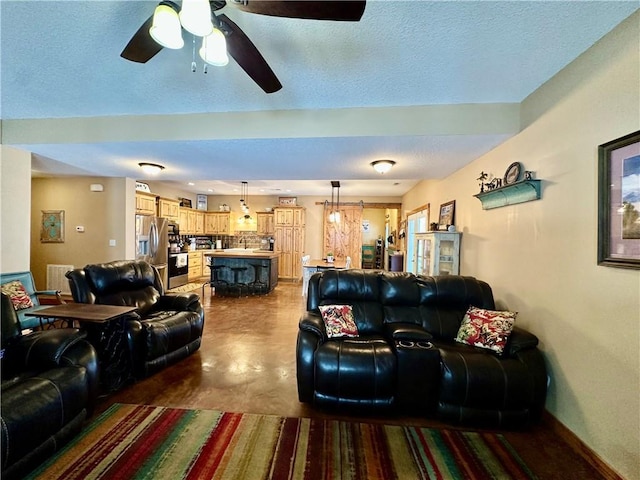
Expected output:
{"points": [[247, 364]]}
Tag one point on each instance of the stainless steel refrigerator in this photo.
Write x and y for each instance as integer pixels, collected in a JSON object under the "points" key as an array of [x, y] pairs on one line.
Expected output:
{"points": [[152, 243]]}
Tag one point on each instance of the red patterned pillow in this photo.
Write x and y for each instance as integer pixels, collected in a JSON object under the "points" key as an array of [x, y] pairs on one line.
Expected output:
{"points": [[486, 328], [339, 321], [18, 295]]}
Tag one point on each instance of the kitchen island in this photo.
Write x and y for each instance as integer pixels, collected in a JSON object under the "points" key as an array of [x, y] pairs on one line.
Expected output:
{"points": [[260, 263]]}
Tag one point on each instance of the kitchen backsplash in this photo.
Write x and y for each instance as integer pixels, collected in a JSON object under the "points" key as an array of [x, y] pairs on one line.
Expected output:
{"points": [[252, 240]]}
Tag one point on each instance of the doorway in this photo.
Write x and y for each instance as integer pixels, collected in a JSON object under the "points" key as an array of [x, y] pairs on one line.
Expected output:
{"points": [[417, 221]]}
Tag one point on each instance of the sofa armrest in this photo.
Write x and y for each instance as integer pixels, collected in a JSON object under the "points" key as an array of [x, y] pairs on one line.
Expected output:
{"points": [[409, 332], [44, 349], [520, 340], [52, 293], [178, 302], [313, 323]]}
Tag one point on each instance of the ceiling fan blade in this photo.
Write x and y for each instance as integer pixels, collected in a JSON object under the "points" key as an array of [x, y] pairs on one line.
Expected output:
{"points": [[347, 10], [248, 57], [141, 48]]}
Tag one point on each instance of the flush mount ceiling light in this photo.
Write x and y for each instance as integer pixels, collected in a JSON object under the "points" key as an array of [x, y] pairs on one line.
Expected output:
{"points": [[382, 166], [150, 168]]}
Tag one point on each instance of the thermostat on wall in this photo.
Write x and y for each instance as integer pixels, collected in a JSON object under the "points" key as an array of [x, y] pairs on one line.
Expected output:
{"points": [[96, 187]]}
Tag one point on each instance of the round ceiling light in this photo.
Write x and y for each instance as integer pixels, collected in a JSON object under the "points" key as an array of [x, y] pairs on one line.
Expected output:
{"points": [[150, 168], [382, 166]]}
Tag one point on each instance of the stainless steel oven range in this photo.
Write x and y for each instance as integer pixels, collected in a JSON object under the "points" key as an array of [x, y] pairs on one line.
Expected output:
{"points": [[178, 269]]}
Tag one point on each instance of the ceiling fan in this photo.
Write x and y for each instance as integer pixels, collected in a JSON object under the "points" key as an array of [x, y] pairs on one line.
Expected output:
{"points": [[143, 47]]}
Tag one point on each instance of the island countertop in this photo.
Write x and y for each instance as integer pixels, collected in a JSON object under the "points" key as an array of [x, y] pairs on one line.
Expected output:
{"points": [[241, 253]]}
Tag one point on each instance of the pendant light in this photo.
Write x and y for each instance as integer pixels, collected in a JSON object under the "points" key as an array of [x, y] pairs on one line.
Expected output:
{"points": [[334, 214], [244, 203]]}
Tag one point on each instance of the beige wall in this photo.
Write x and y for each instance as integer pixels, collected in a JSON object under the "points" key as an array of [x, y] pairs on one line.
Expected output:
{"points": [[15, 201], [376, 219], [100, 213], [540, 257]]}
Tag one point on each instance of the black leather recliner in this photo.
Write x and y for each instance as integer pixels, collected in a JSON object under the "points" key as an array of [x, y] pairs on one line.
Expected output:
{"points": [[49, 387], [406, 356], [164, 329]]}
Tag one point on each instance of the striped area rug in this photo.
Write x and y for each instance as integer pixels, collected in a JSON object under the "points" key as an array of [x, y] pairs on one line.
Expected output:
{"points": [[136, 442]]}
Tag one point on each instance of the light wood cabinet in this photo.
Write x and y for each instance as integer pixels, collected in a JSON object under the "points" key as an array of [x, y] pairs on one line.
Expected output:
{"points": [[199, 223], [289, 233], [192, 222], [218, 223], [169, 209], [195, 265], [183, 220], [266, 223], [145, 203]]}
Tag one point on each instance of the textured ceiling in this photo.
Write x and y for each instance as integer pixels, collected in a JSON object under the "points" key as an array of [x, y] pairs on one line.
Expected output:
{"points": [[61, 60]]}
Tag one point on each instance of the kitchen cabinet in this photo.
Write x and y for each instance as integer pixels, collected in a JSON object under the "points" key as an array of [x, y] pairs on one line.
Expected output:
{"points": [[183, 219], [437, 253], [266, 223], [169, 209], [192, 222], [218, 223], [195, 265], [289, 233], [145, 203], [199, 223]]}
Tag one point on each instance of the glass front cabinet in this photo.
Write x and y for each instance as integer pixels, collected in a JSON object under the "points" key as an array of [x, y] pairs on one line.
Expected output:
{"points": [[437, 253]]}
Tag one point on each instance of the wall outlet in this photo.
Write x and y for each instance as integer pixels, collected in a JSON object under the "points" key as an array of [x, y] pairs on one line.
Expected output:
{"points": [[112, 243]]}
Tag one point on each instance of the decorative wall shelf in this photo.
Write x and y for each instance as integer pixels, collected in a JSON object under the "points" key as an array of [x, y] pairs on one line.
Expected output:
{"points": [[520, 192]]}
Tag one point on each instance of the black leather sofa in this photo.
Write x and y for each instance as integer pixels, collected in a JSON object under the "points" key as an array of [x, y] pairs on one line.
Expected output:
{"points": [[405, 356], [49, 387], [163, 330]]}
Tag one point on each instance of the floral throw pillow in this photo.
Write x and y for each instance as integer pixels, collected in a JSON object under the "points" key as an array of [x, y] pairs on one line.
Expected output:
{"points": [[18, 295], [486, 328], [339, 321]]}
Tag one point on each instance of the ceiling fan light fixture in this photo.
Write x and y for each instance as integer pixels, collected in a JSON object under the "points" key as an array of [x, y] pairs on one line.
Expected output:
{"points": [[214, 49], [382, 166], [166, 29], [150, 168], [195, 16]]}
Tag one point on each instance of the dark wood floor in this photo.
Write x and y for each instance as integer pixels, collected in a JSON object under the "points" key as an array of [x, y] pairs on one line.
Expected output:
{"points": [[247, 364]]}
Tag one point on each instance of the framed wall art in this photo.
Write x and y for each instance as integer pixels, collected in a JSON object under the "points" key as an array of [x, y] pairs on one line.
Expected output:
{"points": [[288, 201], [619, 202], [447, 212], [52, 226]]}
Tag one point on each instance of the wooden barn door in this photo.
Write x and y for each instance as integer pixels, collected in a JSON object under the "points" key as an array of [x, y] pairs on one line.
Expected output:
{"points": [[344, 238]]}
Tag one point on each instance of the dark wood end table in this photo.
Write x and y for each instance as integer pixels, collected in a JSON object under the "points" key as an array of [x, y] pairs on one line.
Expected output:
{"points": [[106, 330]]}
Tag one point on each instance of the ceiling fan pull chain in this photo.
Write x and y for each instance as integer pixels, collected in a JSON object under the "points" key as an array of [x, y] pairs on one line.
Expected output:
{"points": [[194, 66]]}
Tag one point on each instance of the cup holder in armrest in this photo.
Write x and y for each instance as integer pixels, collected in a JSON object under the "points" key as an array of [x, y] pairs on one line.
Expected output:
{"points": [[409, 344]]}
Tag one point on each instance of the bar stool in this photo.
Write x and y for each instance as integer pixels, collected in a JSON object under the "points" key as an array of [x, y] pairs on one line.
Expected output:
{"points": [[221, 287], [237, 286], [257, 286]]}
